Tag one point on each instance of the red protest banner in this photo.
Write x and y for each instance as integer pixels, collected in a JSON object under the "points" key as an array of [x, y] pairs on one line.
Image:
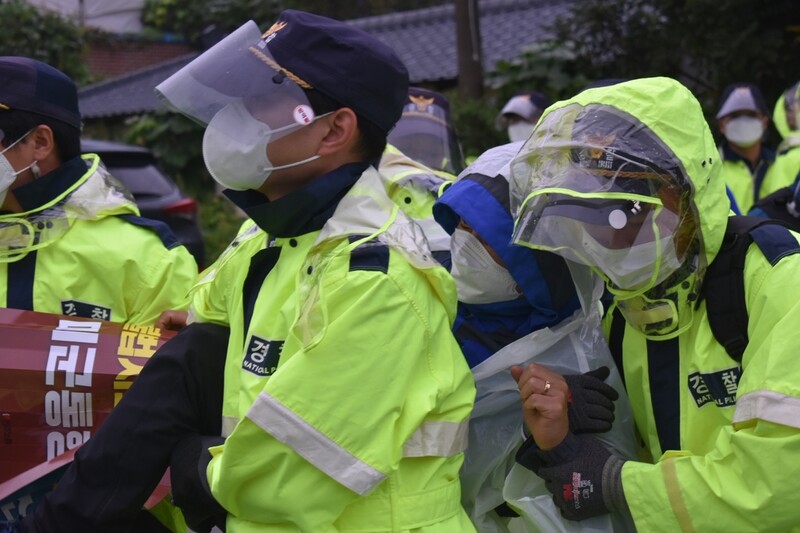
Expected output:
{"points": [[60, 377]]}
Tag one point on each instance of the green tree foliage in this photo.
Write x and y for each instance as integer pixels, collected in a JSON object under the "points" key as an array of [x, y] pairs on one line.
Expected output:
{"points": [[474, 122], [45, 36], [549, 67], [191, 18], [360, 8], [706, 44], [176, 141]]}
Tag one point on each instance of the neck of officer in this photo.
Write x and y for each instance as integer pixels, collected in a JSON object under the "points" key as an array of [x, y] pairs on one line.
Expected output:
{"points": [[279, 186], [10, 204], [750, 153]]}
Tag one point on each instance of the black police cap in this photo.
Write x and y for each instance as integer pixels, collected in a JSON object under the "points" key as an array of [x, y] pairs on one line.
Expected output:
{"points": [[343, 62], [30, 85]]}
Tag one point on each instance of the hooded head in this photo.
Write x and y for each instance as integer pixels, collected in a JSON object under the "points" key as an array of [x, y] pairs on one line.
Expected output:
{"points": [[477, 206], [742, 114], [625, 179], [786, 114]]}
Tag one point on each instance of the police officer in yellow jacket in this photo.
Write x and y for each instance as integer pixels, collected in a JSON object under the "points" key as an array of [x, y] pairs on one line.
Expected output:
{"points": [[364, 422], [409, 183], [71, 239], [422, 158], [345, 395], [786, 117], [746, 160], [426, 133], [427, 137], [625, 179], [784, 204]]}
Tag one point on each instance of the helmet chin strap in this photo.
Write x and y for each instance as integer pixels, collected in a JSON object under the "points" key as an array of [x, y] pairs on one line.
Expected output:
{"points": [[666, 310]]}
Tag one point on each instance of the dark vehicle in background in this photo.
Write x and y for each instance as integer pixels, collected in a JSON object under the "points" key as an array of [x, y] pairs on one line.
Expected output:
{"points": [[156, 194]]}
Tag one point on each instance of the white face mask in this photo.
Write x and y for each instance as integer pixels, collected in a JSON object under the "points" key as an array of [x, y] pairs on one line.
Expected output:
{"points": [[744, 131], [241, 164], [7, 173], [633, 267], [519, 131], [479, 279]]}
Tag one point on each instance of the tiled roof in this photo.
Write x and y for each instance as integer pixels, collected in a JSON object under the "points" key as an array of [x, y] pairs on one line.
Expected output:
{"points": [[129, 94], [424, 39]]}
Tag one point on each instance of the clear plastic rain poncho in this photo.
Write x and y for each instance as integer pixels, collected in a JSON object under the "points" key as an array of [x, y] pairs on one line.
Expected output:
{"points": [[490, 476], [95, 195], [786, 117]]}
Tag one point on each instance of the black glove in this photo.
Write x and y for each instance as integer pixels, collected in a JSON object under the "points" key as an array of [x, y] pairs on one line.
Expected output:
{"points": [[591, 407], [190, 490], [583, 476]]}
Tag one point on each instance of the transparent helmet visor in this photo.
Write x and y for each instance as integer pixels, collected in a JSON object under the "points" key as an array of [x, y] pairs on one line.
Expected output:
{"points": [[598, 149], [598, 187], [238, 88], [630, 243], [427, 137]]}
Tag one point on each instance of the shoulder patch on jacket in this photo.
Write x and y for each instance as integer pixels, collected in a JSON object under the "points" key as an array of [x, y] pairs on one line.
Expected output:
{"points": [[161, 229], [369, 255], [775, 242], [724, 284]]}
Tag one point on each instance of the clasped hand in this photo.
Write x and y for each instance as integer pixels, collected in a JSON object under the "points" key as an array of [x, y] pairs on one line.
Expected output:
{"points": [[553, 404]]}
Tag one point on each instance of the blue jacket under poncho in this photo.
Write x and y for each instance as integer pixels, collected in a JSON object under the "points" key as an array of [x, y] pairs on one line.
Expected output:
{"points": [[481, 198]]}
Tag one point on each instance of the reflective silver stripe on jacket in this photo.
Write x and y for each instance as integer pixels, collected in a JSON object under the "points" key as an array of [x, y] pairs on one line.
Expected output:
{"points": [[770, 406], [437, 439], [228, 425], [283, 424]]}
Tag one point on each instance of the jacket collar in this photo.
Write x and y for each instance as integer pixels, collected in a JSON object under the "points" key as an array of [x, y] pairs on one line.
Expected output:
{"points": [[50, 186], [302, 211]]}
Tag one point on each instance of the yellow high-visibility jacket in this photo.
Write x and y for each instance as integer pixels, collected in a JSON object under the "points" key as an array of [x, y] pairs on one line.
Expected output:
{"points": [[723, 435], [747, 184], [346, 396], [83, 251]]}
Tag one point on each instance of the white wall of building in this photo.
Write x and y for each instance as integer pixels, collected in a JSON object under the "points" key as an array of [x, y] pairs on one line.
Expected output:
{"points": [[115, 16]]}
